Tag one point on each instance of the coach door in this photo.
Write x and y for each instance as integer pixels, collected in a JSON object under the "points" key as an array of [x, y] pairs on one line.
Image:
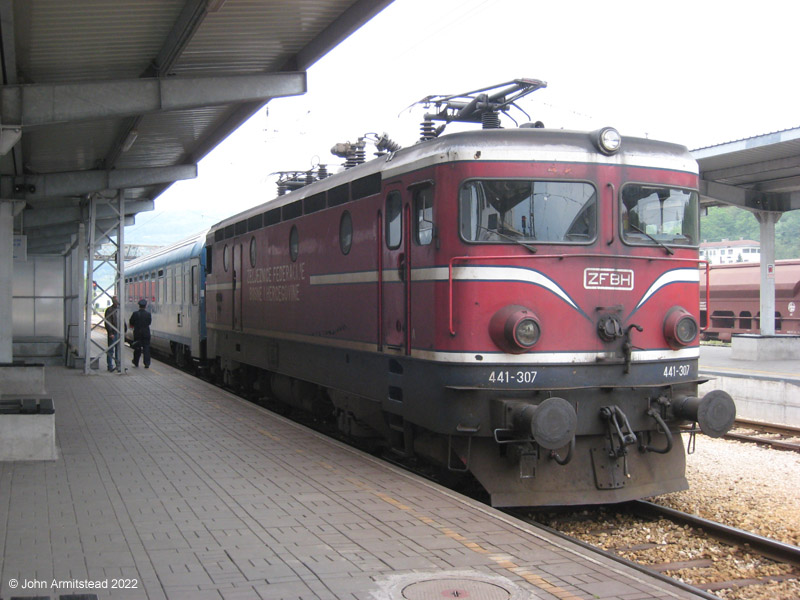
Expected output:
{"points": [[396, 274], [237, 285]]}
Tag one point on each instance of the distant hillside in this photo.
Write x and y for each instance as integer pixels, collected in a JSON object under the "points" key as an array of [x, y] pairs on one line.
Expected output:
{"points": [[730, 223]]}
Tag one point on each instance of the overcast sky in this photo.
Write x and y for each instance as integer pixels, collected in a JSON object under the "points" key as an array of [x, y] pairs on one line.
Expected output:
{"points": [[697, 73]]}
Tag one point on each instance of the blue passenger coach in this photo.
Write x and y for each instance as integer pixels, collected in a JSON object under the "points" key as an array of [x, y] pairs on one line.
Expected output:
{"points": [[172, 280]]}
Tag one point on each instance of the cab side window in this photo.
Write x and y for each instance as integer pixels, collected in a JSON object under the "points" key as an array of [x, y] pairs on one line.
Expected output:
{"points": [[394, 220], [423, 211]]}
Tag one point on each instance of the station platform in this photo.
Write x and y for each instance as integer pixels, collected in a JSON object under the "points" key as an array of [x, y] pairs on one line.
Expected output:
{"points": [[172, 488], [765, 391]]}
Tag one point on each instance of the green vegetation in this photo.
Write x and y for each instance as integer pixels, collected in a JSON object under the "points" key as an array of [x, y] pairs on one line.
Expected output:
{"points": [[733, 223]]}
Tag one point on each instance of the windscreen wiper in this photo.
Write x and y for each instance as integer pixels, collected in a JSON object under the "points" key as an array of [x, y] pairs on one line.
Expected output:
{"points": [[664, 246], [532, 249]]}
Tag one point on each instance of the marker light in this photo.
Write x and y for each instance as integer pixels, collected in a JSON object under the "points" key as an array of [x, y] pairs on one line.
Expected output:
{"points": [[680, 327], [608, 140]]}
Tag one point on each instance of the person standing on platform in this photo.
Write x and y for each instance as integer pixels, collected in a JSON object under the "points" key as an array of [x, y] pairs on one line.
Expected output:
{"points": [[111, 317], [140, 323]]}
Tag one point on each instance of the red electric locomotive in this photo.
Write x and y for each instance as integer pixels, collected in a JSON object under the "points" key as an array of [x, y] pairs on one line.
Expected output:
{"points": [[517, 303]]}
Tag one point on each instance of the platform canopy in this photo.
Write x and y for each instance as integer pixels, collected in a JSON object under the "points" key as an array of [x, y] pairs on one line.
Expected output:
{"points": [[760, 174], [129, 95]]}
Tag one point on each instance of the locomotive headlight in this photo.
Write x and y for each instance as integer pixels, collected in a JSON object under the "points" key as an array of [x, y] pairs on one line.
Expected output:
{"points": [[608, 140], [526, 332], [515, 329], [680, 327]]}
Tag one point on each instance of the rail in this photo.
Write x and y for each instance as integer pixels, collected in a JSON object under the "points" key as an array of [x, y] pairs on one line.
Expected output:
{"points": [[763, 545], [763, 428], [453, 260], [614, 557], [766, 429]]}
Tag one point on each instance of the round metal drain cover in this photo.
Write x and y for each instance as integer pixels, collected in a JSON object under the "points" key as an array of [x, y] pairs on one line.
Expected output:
{"points": [[437, 589]]}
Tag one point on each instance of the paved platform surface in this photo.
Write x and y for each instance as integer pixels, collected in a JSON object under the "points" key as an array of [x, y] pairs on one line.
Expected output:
{"points": [[764, 391], [177, 489], [717, 359]]}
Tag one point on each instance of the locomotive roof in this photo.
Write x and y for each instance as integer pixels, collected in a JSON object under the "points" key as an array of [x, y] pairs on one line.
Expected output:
{"points": [[529, 144], [177, 252]]}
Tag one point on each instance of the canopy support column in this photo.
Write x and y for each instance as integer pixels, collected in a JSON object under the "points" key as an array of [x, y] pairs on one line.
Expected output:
{"points": [[767, 221], [112, 236]]}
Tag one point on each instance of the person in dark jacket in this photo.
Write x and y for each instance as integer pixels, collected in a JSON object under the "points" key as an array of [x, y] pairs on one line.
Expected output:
{"points": [[140, 323], [112, 329]]}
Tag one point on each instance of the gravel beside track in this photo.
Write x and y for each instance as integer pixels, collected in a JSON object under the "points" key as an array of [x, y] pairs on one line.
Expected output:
{"points": [[749, 487], [742, 485]]}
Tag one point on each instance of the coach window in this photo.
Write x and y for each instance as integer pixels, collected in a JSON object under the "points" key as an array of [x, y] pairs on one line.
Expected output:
{"points": [[423, 209], [179, 276], [346, 232], [226, 259], [294, 243], [253, 251], [195, 286], [394, 220], [657, 215]]}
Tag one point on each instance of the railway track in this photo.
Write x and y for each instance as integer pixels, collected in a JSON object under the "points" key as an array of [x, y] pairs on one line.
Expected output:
{"points": [[764, 545], [779, 437], [694, 553]]}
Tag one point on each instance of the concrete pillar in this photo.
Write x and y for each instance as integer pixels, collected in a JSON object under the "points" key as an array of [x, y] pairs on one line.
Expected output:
{"points": [[767, 221], [8, 210], [74, 296], [6, 280]]}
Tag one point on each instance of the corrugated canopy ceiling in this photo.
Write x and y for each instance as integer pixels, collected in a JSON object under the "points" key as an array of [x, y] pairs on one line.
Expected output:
{"points": [[131, 94]]}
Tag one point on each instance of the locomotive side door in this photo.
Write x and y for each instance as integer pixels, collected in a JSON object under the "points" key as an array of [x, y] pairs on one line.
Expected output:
{"points": [[237, 285], [395, 275]]}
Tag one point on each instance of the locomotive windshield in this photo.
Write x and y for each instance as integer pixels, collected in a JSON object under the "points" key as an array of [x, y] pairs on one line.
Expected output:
{"points": [[659, 215], [513, 210]]}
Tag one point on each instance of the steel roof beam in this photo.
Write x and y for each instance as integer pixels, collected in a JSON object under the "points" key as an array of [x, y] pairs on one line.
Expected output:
{"points": [[330, 37], [192, 16], [78, 183], [785, 185], [749, 199], [44, 104], [60, 244], [759, 169], [45, 218], [43, 236]]}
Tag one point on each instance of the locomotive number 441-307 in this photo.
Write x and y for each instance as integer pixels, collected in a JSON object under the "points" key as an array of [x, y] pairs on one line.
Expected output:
{"points": [[512, 376], [672, 371]]}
